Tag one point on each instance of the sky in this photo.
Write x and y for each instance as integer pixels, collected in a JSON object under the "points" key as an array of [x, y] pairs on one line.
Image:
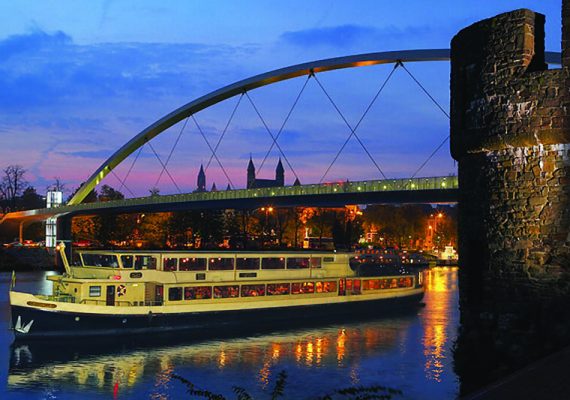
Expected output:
{"points": [[78, 79]]}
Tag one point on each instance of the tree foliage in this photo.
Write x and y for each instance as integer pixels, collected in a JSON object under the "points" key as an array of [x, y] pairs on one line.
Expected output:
{"points": [[12, 185]]}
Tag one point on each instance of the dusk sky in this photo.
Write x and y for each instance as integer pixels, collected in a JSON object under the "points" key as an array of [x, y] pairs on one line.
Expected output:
{"points": [[78, 79]]}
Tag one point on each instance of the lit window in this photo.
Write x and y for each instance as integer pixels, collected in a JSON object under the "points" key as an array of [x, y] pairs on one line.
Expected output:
{"points": [[276, 289], [197, 293], [252, 290]]}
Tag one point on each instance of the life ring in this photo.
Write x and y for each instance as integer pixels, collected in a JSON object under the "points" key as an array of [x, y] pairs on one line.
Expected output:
{"points": [[121, 290]]}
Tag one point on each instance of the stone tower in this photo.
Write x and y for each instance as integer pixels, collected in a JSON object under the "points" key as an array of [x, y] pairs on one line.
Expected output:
{"points": [[250, 174], [510, 133], [201, 184], [280, 174]]}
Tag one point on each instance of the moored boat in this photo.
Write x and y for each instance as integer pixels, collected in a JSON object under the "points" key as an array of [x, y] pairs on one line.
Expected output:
{"points": [[134, 292]]}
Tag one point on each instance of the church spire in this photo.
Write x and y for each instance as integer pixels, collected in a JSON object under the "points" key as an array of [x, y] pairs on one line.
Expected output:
{"points": [[250, 174], [201, 180], [280, 174]]}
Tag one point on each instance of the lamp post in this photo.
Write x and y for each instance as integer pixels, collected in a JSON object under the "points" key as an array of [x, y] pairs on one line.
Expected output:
{"points": [[267, 211]]}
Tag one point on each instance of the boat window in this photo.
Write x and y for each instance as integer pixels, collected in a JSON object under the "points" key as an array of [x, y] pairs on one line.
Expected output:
{"points": [[100, 260], [302, 287], [247, 263], [315, 262], [356, 286], [252, 290], [372, 284], [192, 264], [94, 291], [127, 261], [169, 264], [297, 263], [275, 289], [325, 287], [222, 292], [175, 293], [145, 262], [221, 264], [405, 282], [273, 263], [197, 292]]}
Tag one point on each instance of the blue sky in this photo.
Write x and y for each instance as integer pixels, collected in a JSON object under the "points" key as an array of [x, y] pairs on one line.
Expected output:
{"points": [[79, 78]]}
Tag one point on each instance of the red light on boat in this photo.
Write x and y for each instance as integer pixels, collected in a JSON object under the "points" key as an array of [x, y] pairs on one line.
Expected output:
{"points": [[116, 277]]}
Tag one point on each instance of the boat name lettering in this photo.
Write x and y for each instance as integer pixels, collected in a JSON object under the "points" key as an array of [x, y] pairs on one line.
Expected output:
{"points": [[38, 304], [201, 277], [135, 275], [248, 274]]}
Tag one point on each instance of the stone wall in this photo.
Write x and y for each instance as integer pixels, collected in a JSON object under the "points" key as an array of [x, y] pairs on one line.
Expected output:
{"points": [[510, 133]]}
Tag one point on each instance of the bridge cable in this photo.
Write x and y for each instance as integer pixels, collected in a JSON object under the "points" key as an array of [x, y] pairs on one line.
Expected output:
{"points": [[285, 121], [430, 156], [123, 181], [441, 109], [425, 91], [122, 184], [212, 150], [164, 166], [272, 137], [171, 151], [223, 133], [353, 131]]}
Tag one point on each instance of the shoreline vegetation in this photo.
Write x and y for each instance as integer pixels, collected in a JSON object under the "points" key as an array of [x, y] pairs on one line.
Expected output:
{"points": [[374, 392]]}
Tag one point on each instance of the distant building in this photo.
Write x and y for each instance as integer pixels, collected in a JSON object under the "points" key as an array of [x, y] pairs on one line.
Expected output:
{"points": [[201, 187], [254, 183]]}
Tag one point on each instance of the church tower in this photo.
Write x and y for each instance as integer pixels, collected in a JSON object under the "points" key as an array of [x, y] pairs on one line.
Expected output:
{"points": [[250, 174], [201, 180], [279, 174]]}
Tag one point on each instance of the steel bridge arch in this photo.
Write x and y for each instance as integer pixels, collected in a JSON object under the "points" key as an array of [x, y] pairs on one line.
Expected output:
{"points": [[267, 78]]}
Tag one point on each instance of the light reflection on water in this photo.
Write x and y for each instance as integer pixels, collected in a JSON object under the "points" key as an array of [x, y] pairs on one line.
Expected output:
{"points": [[410, 352]]}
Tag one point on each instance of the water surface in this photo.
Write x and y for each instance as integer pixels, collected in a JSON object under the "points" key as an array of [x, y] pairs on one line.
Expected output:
{"points": [[410, 352]]}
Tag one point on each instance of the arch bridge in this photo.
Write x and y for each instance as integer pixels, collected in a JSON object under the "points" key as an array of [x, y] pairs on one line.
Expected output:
{"points": [[409, 190]]}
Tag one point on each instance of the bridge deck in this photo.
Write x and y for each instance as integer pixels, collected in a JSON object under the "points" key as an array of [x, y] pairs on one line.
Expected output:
{"points": [[358, 192]]}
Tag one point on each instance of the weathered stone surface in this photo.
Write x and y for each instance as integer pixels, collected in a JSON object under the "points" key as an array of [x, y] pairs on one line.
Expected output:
{"points": [[510, 133]]}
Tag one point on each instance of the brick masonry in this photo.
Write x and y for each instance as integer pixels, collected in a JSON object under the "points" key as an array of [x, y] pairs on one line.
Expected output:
{"points": [[510, 133]]}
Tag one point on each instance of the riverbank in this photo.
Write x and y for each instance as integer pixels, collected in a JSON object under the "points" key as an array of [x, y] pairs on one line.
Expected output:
{"points": [[26, 259]]}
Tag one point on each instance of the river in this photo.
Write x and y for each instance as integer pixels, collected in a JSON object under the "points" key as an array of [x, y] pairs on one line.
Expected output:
{"points": [[411, 353]]}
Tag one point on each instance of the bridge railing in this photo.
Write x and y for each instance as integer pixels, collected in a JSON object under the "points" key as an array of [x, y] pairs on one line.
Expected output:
{"points": [[386, 185]]}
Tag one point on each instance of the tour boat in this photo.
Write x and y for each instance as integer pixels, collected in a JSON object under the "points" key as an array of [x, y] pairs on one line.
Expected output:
{"points": [[107, 293]]}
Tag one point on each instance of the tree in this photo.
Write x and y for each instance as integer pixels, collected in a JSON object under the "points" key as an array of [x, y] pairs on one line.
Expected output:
{"points": [[113, 227], [109, 194], [31, 200], [12, 186], [57, 185]]}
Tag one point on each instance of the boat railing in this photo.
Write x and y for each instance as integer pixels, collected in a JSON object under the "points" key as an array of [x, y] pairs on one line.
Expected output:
{"points": [[122, 303], [61, 298]]}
